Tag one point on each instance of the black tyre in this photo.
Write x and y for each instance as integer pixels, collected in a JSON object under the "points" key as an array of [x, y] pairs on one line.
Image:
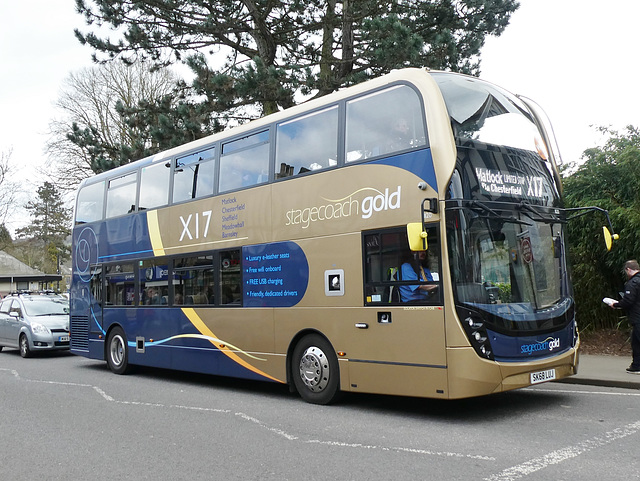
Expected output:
{"points": [[315, 371], [23, 343], [117, 352]]}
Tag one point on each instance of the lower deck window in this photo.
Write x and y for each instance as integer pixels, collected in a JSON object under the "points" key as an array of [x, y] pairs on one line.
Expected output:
{"points": [[211, 279], [194, 281], [230, 277], [120, 279], [396, 275], [153, 287]]}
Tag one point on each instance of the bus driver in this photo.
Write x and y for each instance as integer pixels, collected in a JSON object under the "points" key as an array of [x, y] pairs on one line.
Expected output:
{"points": [[416, 268]]}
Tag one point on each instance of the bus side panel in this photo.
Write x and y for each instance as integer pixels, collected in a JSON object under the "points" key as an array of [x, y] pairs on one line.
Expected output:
{"points": [[229, 220], [124, 238], [398, 380], [230, 342], [85, 311], [245, 337], [358, 197], [378, 358], [397, 339], [409, 343]]}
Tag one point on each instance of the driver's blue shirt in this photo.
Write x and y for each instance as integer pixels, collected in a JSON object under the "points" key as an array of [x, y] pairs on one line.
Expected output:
{"points": [[410, 293]]}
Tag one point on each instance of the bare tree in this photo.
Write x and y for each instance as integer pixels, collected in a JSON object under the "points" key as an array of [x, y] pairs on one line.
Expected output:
{"points": [[7, 187], [91, 99]]}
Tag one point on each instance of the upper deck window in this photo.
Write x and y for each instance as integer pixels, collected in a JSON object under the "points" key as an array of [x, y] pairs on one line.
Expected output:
{"points": [[121, 195], [483, 112], [384, 122], [244, 162], [90, 203], [194, 176], [307, 143], [244, 142], [154, 185]]}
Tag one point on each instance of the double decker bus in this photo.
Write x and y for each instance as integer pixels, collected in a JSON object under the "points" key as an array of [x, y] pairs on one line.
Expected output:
{"points": [[403, 236]]}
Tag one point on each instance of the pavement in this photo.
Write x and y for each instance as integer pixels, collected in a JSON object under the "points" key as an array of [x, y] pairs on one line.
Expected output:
{"points": [[607, 371]]}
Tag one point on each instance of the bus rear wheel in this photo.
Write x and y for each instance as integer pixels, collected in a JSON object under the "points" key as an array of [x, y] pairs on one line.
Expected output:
{"points": [[117, 354], [315, 370]]}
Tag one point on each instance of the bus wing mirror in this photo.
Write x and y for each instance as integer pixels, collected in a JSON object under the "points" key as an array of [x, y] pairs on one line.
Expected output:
{"points": [[430, 205], [417, 236], [609, 237]]}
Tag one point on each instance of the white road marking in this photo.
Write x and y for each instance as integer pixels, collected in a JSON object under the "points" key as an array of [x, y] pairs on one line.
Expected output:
{"points": [[560, 455], [576, 391], [251, 419]]}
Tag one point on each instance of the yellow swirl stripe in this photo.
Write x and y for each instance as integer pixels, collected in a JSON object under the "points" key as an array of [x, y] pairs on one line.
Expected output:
{"points": [[213, 339], [154, 232]]}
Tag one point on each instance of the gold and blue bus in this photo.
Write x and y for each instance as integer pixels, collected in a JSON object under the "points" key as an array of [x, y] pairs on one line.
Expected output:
{"points": [[403, 236]]}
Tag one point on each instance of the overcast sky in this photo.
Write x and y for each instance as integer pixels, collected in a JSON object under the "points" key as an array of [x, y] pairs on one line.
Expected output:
{"points": [[576, 58]]}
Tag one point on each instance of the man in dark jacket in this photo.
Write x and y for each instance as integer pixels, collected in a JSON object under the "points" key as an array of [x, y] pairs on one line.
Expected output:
{"points": [[630, 302]]}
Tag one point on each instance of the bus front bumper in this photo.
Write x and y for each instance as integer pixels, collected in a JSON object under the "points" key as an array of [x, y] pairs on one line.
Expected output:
{"points": [[471, 376]]}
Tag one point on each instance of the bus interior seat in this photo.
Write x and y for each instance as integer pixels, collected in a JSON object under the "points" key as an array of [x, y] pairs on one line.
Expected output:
{"points": [[392, 293]]}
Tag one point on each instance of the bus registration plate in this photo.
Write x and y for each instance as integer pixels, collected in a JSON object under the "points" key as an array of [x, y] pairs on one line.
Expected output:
{"points": [[542, 376]]}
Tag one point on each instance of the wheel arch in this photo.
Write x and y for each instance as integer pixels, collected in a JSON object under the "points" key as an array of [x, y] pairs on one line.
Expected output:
{"points": [[106, 338], [292, 345], [26, 332]]}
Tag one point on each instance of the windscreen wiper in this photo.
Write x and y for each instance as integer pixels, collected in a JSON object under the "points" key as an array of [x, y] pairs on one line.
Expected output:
{"points": [[525, 206], [477, 206]]}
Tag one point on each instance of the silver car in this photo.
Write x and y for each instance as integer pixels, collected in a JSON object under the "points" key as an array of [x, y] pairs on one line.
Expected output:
{"points": [[34, 322]]}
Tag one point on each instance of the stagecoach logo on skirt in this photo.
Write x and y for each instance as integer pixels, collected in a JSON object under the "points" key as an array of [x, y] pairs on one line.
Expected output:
{"points": [[548, 344]]}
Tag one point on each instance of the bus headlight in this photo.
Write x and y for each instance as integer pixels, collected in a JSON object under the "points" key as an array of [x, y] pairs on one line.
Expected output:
{"points": [[477, 334]]}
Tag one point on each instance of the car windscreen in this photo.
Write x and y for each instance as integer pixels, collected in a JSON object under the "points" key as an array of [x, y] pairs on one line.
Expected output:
{"points": [[46, 306]]}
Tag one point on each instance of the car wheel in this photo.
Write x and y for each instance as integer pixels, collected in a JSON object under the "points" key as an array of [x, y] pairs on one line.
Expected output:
{"points": [[315, 370], [117, 352], [25, 350]]}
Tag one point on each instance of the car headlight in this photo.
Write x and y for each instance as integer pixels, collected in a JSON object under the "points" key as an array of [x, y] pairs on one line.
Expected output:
{"points": [[37, 328]]}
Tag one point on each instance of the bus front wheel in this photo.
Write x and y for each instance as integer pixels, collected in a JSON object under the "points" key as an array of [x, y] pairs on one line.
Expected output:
{"points": [[315, 370], [117, 355]]}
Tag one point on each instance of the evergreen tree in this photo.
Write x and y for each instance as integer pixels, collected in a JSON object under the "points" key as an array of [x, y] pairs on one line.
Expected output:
{"points": [[255, 57], [5, 238], [49, 227], [608, 178]]}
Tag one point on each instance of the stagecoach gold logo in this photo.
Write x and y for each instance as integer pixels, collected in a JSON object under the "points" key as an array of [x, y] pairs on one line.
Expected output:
{"points": [[549, 344], [351, 205]]}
